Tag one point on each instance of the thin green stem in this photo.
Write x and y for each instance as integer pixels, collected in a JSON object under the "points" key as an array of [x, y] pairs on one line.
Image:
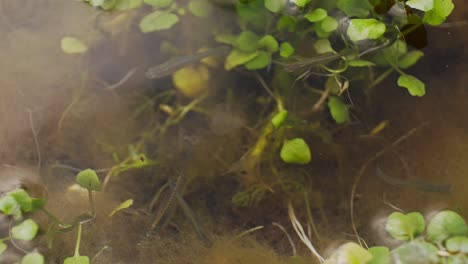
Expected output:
{"points": [[309, 215], [53, 217], [78, 240], [91, 203]]}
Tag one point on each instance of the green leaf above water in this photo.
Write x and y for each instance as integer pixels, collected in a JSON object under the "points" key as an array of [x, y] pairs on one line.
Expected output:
{"points": [[200, 8], [369, 28], [159, 3], [446, 224], [338, 110], [295, 151], [269, 42], [316, 15], [26, 230], [77, 260], [437, 15], [33, 258], [423, 5], [405, 226], [416, 252], [414, 85], [274, 5], [457, 244], [380, 255], [158, 20], [89, 180], [236, 58], [262, 60], [286, 50], [410, 58], [71, 45]]}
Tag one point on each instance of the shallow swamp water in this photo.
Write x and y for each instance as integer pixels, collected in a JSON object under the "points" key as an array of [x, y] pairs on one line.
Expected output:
{"points": [[61, 113]]}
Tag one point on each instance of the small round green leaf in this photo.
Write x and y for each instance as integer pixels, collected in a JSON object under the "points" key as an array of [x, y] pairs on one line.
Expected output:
{"points": [[122, 5], [274, 5], [350, 253], [247, 41], [269, 42], [227, 39], [88, 179], [287, 23], [423, 5], [3, 247], [295, 151], [262, 60], [446, 224], [361, 29], [380, 255], [410, 58], [416, 252], [301, 3], [338, 110], [353, 8], [200, 8], [414, 85], [328, 24], [159, 3], [405, 226], [286, 50], [158, 20], [9, 206], [236, 58], [71, 45], [457, 259], [457, 244], [316, 15], [279, 118], [76, 260], [23, 199], [33, 258], [26, 230], [441, 10], [323, 46]]}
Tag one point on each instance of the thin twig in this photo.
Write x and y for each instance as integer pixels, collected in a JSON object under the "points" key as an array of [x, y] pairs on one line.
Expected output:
{"points": [[288, 236]]}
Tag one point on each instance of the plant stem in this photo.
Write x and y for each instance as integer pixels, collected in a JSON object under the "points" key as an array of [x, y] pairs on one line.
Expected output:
{"points": [[78, 240], [91, 203], [53, 217]]}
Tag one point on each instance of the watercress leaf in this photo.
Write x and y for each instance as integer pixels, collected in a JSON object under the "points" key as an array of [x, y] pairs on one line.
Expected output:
{"points": [[423, 5], [457, 244], [227, 39], [33, 258], [122, 5], [287, 23], [247, 41], [279, 118], [158, 20], [108, 4], [37, 204], [9, 206], [410, 58], [200, 8], [159, 3], [23, 199], [353, 8], [3, 247], [236, 58], [316, 15], [71, 45], [368, 28], [274, 5], [76, 260], [123, 205], [392, 54], [328, 24], [415, 252], [26, 230], [295, 151], [446, 224], [437, 15], [192, 81], [262, 60], [96, 2], [269, 42], [322, 46], [405, 226], [457, 259], [252, 12], [338, 110], [286, 50], [301, 3], [350, 253], [89, 180], [360, 63], [380, 255], [414, 85]]}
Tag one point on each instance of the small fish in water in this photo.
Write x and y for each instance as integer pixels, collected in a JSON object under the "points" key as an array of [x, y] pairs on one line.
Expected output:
{"points": [[174, 64]]}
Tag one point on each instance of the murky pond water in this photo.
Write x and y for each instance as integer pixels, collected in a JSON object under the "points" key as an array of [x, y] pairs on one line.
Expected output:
{"points": [[62, 113]]}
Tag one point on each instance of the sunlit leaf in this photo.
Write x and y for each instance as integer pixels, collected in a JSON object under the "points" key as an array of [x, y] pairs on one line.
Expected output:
{"points": [[328, 24], [71, 45], [158, 20], [457, 244], [442, 9], [269, 42], [89, 180], [200, 8], [262, 60], [423, 5], [33, 258], [23, 199], [26, 230], [380, 255], [350, 253], [77, 260], [391, 55], [446, 224], [247, 41], [316, 15], [286, 50], [236, 58], [405, 226], [361, 29], [410, 58], [274, 5], [279, 118], [353, 8], [414, 85], [295, 151], [416, 252], [338, 110], [301, 3], [123, 205], [322, 46], [9, 206], [159, 3]]}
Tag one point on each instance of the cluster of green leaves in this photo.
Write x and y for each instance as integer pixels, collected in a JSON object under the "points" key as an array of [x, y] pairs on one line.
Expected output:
{"points": [[445, 241]]}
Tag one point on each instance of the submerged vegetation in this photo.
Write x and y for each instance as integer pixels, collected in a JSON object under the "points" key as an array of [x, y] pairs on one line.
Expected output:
{"points": [[306, 71]]}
